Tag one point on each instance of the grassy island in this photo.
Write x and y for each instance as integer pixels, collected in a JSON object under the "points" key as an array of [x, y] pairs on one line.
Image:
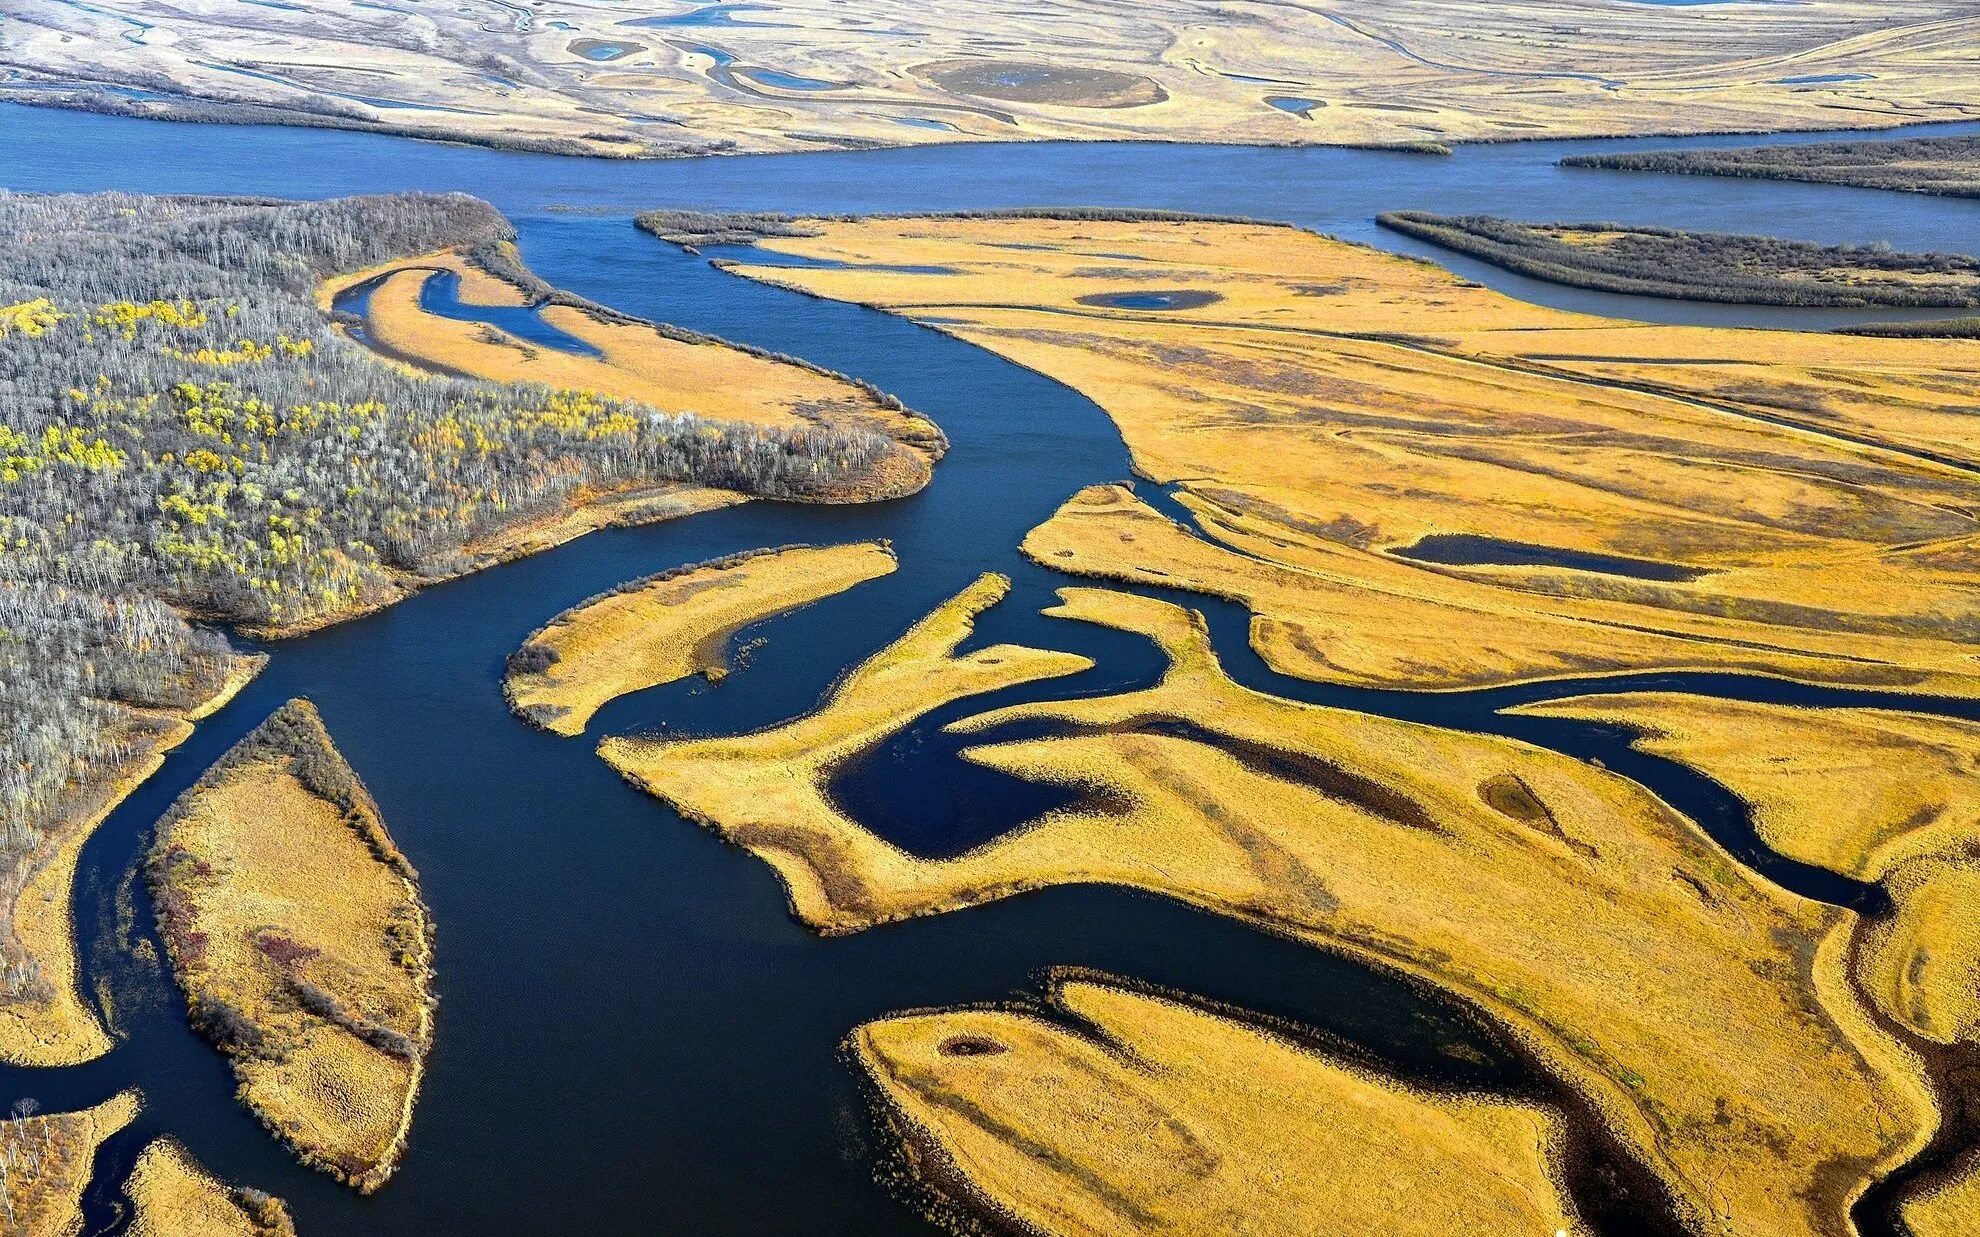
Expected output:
{"points": [[1417, 482], [1945, 166], [47, 1160], [1129, 1111], [669, 626], [1703, 1014], [295, 928], [684, 79], [1701, 266], [172, 1196]]}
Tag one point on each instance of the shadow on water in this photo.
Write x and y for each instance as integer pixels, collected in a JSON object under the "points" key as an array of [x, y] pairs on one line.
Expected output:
{"points": [[633, 1032]]}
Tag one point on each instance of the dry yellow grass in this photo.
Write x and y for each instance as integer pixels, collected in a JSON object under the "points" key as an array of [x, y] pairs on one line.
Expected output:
{"points": [[1332, 612], [1876, 794], [668, 627], [1148, 1115], [1705, 1014], [52, 1158], [62, 1029], [1950, 1209], [476, 286], [767, 790], [1325, 398], [172, 1196], [597, 79], [638, 362], [1856, 791], [295, 929]]}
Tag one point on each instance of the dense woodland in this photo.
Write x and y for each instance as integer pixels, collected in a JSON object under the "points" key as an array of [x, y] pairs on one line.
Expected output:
{"points": [[183, 433], [1946, 166], [1702, 266]]}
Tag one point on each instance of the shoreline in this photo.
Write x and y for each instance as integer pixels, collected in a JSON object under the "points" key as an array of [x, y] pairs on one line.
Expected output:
{"points": [[79, 1033]]}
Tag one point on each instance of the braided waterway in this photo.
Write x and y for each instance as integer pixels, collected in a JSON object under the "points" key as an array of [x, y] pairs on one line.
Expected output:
{"points": [[634, 1035]]}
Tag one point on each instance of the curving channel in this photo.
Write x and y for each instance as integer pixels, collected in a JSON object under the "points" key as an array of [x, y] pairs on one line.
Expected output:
{"points": [[633, 1032]]}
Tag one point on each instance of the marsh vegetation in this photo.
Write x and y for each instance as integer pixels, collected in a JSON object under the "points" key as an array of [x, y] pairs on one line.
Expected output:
{"points": [[1946, 166], [295, 928], [1702, 266]]}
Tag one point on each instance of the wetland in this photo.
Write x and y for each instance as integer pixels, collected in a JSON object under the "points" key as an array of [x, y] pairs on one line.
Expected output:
{"points": [[633, 1029]]}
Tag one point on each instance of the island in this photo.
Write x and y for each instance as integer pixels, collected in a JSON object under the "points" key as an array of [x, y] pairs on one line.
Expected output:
{"points": [[1701, 266], [1705, 1016], [295, 927], [1944, 166], [666, 627]]}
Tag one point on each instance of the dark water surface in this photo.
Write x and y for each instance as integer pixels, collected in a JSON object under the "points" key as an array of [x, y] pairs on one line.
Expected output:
{"points": [[634, 1036]]}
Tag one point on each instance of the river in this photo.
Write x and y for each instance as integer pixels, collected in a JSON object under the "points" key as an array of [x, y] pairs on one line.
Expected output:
{"points": [[634, 1036]]}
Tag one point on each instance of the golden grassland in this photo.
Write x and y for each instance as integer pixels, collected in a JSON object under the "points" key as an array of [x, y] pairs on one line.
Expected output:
{"points": [[295, 928], [63, 1030], [1856, 791], [1705, 1015], [1951, 1208], [1322, 408], [583, 77], [670, 626], [52, 1158], [1876, 794], [1127, 1111], [767, 790], [638, 361], [172, 1196]]}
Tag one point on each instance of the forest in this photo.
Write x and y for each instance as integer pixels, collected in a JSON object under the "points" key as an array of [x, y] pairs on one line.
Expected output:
{"points": [[1945, 166], [183, 435], [1702, 266]]}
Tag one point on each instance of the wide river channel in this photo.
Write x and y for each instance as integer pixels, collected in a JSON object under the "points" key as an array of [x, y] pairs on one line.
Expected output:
{"points": [[634, 1036]]}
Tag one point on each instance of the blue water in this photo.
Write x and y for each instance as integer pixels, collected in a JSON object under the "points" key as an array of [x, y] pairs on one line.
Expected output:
{"points": [[1822, 77], [708, 15], [790, 81], [721, 58], [924, 122], [1298, 107], [606, 51], [1183, 298], [634, 1036]]}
